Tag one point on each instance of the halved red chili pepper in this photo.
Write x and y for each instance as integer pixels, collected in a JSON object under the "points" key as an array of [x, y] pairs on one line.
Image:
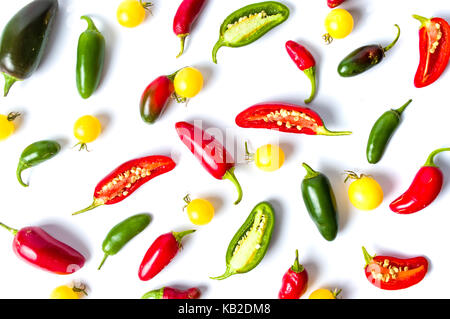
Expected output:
{"points": [[295, 281], [334, 3], [434, 46], [35, 246], [187, 13], [128, 177], [424, 189], [284, 117], [390, 273], [305, 62], [210, 152], [173, 293]]}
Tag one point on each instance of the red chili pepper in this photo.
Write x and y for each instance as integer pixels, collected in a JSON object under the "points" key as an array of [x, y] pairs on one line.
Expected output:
{"points": [[295, 281], [424, 189], [392, 273], [155, 98], [160, 254], [173, 293], [305, 62], [35, 246], [434, 46], [284, 117], [210, 152], [187, 13], [128, 177], [334, 3]]}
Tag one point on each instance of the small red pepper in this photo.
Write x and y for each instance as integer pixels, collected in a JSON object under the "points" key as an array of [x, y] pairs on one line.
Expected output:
{"points": [[434, 46], [160, 254], [284, 117], [424, 189], [392, 273], [128, 177], [334, 3], [295, 281], [305, 62], [187, 13], [173, 293], [210, 152], [35, 246]]}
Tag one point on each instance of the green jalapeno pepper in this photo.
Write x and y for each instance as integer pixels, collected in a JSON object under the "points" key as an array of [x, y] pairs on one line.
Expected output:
{"points": [[381, 133], [24, 40], [35, 154], [250, 243], [90, 59], [122, 233], [250, 23], [320, 202]]}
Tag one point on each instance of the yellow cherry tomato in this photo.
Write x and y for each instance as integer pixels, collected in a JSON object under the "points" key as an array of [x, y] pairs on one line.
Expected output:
{"points": [[200, 211], [86, 129], [339, 23], [269, 157], [324, 294], [66, 292], [188, 82], [7, 126], [131, 13], [364, 192]]}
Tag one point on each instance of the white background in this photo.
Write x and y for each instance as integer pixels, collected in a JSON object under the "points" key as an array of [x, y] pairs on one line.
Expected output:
{"points": [[244, 76]]}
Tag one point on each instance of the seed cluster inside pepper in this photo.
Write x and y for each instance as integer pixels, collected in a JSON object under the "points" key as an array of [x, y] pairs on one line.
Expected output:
{"points": [[287, 118], [435, 37], [247, 25], [386, 270]]}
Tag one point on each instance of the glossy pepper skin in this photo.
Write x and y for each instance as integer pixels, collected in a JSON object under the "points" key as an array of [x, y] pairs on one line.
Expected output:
{"points": [[35, 154], [24, 40], [127, 178], [364, 58], [295, 281], [90, 59], [160, 254], [424, 189], [334, 3], [122, 233], [210, 152], [320, 202], [391, 273], [305, 62], [275, 14], [187, 13], [35, 246], [381, 133], [172, 293], [284, 117], [434, 48]]}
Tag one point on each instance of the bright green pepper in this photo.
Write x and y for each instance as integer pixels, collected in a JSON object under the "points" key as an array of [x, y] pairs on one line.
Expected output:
{"points": [[35, 154], [250, 23], [122, 233], [90, 59], [250, 243]]}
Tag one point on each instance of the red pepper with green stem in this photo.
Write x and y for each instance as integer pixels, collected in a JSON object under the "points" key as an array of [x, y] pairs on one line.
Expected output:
{"points": [[211, 153], [334, 3], [295, 281], [424, 189], [172, 293]]}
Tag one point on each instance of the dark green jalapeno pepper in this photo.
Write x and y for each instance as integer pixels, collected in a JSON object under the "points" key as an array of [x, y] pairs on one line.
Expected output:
{"points": [[250, 23], [90, 59], [364, 58], [381, 133], [320, 202], [35, 154], [122, 233], [250, 243], [24, 40]]}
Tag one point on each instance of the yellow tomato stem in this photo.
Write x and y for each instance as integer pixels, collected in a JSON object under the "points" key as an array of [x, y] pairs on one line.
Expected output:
{"points": [[12, 116]]}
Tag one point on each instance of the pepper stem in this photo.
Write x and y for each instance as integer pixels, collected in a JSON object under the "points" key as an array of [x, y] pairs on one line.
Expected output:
{"points": [[423, 21], [154, 294], [395, 40], [297, 267], [248, 156], [9, 81], [368, 258], [91, 25], [103, 261], [96, 203], [322, 130], [430, 159], [310, 173], [11, 230], [228, 273], [311, 74], [402, 108], [216, 48], [179, 235], [230, 176], [19, 170], [182, 40]]}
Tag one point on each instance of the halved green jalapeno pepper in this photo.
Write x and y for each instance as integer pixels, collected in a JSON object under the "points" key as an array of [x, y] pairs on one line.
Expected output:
{"points": [[320, 202], [90, 59], [35, 154], [250, 23], [381, 133], [122, 233], [250, 243]]}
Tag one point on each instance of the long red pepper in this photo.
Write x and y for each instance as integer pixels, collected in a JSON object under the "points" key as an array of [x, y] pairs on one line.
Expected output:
{"points": [[295, 281], [160, 254], [187, 13], [305, 62], [173, 293], [210, 152], [424, 189], [334, 3], [35, 246]]}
